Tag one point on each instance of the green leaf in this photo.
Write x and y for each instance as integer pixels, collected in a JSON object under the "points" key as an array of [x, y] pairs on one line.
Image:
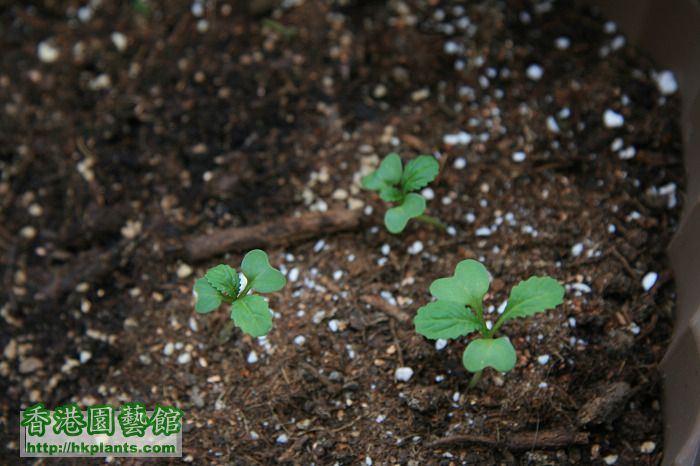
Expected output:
{"points": [[261, 275], [397, 217], [489, 352], [224, 279], [388, 174], [207, 297], [390, 194], [536, 294], [467, 286], [444, 319], [419, 172], [252, 315]]}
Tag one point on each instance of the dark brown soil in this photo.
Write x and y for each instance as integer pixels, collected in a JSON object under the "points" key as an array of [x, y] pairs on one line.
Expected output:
{"points": [[255, 119]]}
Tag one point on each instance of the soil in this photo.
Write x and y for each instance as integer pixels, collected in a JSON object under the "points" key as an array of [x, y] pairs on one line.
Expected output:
{"points": [[110, 157]]}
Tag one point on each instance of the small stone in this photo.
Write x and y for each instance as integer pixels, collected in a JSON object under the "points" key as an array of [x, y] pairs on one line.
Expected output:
{"points": [[403, 374], [420, 94], [340, 194], [440, 344], [10, 351], [84, 356], [131, 229], [562, 43], [293, 274], [534, 72], [610, 459], [459, 163], [184, 271], [299, 340], [28, 232], [483, 231], [333, 325], [47, 52], [119, 41], [28, 365], [100, 82], [552, 124], [542, 360], [612, 119], [627, 153], [428, 194], [282, 438], [666, 82], [184, 358], [168, 349], [379, 91], [252, 357], [415, 248], [35, 210], [577, 249], [649, 280], [519, 156], [647, 447]]}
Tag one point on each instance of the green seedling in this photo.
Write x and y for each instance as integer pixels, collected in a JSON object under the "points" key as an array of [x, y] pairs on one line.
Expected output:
{"points": [[396, 184], [222, 284], [458, 311]]}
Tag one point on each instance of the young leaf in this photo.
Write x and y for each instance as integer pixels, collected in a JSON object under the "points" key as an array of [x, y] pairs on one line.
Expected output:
{"points": [[487, 352], [390, 194], [443, 319], [224, 279], [536, 294], [261, 275], [397, 217], [252, 315], [207, 297], [419, 172], [388, 174], [467, 286]]}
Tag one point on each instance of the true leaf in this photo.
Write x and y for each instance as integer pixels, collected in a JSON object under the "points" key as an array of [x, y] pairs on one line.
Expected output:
{"points": [[207, 297], [419, 172], [489, 352], [397, 217], [467, 286], [390, 194], [260, 274], [536, 294], [388, 174], [224, 279], [444, 319], [252, 315]]}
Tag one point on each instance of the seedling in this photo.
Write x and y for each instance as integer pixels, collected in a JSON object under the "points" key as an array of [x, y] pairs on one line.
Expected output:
{"points": [[458, 311], [223, 284], [396, 184]]}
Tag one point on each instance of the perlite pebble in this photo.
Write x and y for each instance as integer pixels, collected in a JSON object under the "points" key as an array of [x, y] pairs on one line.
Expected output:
{"points": [[519, 156], [282, 438], [299, 340], [647, 447], [440, 344], [544, 359], [184, 271], [612, 119], [47, 52], [119, 41], [610, 459], [415, 248], [649, 280], [252, 357], [534, 72], [184, 358], [562, 43], [403, 374], [666, 82]]}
